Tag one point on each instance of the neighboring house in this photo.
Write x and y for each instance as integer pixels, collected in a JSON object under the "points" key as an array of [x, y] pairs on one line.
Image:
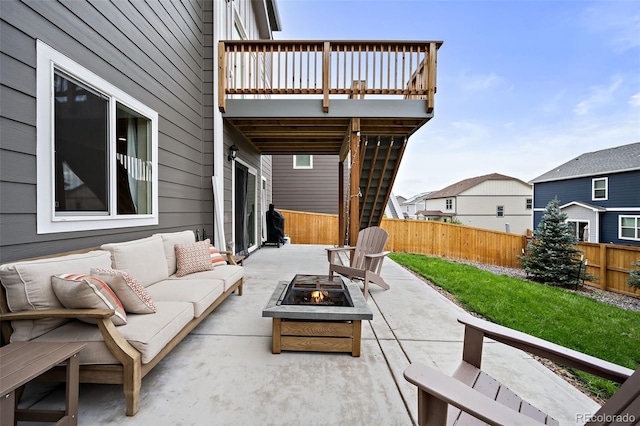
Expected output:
{"points": [[494, 201], [412, 205], [131, 90], [600, 193], [307, 183]]}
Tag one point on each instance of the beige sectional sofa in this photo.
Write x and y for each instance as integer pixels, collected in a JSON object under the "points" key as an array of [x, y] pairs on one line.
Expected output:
{"points": [[123, 354]]}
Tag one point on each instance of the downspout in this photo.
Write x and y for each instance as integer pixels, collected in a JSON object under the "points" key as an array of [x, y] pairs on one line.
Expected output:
{"points": [[218, 134]]}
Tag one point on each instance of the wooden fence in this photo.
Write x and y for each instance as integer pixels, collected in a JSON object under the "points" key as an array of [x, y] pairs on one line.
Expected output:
{"points": [[610, 263]]}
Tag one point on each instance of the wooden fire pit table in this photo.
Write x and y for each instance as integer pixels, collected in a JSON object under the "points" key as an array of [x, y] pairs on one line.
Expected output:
{"points": [[317, 328]]}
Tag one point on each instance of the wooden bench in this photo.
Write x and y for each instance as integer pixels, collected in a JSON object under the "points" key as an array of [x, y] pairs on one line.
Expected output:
{"points": [[472, 396]]}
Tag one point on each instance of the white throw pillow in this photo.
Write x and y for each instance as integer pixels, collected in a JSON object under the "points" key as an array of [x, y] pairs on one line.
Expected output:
{"points": [[28, 288], [170, 239], [143, 259]]}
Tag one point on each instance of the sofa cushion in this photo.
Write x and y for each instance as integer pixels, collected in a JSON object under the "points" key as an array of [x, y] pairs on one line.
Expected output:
{"points": [[146, 333], [144, 259], [200, 292], [78, 291], [193, 257], [229, 274], [217, 258], [28, 287], [169, 240], [133, 296]]}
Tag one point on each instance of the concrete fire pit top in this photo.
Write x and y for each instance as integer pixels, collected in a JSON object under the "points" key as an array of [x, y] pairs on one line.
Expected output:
{"points": [[359, 311]]}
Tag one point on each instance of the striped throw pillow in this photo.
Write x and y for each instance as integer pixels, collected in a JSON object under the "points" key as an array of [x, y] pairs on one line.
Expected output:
{"points": [[132, 294], [76, 291], [217, 258]]}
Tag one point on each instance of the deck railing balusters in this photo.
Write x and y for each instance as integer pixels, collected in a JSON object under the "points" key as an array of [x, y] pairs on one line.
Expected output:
{"points": [[257, 67], [353, 49], [373, 69], [389, 67]]}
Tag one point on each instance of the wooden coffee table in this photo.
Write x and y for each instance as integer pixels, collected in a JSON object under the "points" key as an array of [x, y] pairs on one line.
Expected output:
{"points": [[20, 362], [317, 328]]}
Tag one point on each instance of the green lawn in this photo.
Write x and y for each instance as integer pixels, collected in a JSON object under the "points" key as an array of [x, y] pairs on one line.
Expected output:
{"points": [[550, 313]]}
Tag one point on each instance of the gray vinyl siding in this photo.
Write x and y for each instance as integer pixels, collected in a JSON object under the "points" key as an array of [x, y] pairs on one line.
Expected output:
{"points": [[155, 52], [209, 108], [308, 190]]}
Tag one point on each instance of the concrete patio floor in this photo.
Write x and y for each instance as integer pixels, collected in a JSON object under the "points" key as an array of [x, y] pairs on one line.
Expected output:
{"points": [[224, 373]]}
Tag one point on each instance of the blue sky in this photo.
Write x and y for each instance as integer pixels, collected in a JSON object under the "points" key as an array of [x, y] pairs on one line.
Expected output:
{"points": [[523, 86]]}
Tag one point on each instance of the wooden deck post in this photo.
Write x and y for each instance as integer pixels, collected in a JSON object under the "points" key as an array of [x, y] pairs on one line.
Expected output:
{"points": [[354, 187], [326, 67], [431, 77]]}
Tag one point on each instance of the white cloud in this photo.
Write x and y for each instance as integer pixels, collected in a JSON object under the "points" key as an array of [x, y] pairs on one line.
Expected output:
{"points": [[618, 21], [554, 103], [435, 157], [634, 101], [599, 96], [480, 82]]}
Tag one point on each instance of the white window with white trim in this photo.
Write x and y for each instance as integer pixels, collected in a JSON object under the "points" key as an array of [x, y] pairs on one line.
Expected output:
{"points": [[303, 161], [97, 151], [629, 228], [600, 189]]}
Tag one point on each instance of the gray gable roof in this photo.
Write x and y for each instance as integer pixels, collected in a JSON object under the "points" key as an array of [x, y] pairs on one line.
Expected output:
{"points": [[459, 187], [416, 198], [612, 160]]}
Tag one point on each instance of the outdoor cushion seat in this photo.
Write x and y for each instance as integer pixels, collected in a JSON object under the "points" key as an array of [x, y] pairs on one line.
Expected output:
{"points": [[200, 292], [125, 353], [229, 274], [28, 287], [148, 337]]}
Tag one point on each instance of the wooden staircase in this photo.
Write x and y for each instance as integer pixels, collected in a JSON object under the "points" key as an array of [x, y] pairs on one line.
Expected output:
{"points": [[380, 160]]}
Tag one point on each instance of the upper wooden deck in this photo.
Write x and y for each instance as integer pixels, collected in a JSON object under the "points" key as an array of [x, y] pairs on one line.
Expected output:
{"points": [[304, 93], [363, 98]]}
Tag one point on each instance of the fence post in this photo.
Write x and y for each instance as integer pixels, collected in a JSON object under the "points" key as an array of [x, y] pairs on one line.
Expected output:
{"points": [[603, 267]]}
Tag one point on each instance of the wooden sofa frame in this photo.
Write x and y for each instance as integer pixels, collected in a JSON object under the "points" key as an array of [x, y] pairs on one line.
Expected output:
{"points": [[130, 371], [441, 398]]}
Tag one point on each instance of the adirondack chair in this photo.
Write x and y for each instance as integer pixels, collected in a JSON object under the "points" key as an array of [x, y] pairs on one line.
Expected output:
{"points": [[367, 258], [471, 395]]}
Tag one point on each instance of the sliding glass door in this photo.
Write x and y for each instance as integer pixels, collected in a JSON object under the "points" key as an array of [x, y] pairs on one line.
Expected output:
{"points": [[246, 209]]}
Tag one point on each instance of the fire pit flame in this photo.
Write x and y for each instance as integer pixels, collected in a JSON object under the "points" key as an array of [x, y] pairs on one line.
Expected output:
{"points": [[318, 296], [316, 290]]}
